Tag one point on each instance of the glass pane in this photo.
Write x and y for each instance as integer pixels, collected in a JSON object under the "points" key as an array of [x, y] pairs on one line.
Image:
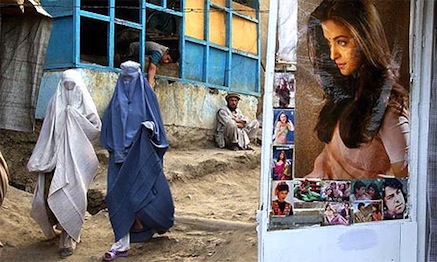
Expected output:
{"points": [[95, 6], [126, 44], [93, 41], [176, 4], [244, 9], [162, 26], [155, 2], [248, 3], [128, 10]]}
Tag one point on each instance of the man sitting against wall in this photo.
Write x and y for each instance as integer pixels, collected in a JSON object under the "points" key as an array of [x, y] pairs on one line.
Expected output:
{"points": [[234, 130]]}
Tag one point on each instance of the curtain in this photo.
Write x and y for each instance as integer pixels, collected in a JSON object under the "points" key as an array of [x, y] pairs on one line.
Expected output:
{"points": [[23, 44]]}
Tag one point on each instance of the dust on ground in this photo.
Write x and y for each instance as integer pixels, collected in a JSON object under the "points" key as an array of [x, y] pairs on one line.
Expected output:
{"points": [[216, 197]]}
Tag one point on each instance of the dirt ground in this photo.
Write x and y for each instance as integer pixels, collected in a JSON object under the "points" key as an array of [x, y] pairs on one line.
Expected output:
{"points": [[216, 197]]}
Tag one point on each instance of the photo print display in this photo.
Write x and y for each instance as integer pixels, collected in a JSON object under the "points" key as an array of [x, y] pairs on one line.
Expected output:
{"points": [[355, 108], [282, 163], [282, 198], [366, 189], [335, 190], [306, 190], [283, 125], [337, 213], [367, 211], [395, 197], [284, 90]]}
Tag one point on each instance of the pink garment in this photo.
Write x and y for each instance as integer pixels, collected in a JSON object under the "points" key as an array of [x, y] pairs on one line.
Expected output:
{"points": [[280, 171], [370, 160]]}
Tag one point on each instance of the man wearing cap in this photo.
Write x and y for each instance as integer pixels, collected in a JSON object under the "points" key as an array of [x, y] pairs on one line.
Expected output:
{"points": [[234, 130]]}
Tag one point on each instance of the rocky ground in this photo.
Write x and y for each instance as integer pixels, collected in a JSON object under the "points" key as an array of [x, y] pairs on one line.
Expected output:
{"points": [[215, 193]]}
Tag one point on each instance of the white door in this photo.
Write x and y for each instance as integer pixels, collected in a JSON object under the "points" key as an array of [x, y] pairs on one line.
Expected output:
{"points": [[350, 205]]}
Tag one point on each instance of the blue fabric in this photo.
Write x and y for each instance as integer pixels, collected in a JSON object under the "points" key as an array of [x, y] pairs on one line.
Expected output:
{"points": [[131, 105], [136, 183], [140, 189], [155, 57]]}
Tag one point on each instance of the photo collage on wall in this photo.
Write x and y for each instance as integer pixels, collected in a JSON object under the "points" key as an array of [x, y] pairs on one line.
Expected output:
{"points": [[283, 145], [337, 202], [298, 201]]}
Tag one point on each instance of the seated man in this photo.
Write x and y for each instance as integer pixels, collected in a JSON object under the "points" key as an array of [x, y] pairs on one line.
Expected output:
{"points": [[234, 130]]}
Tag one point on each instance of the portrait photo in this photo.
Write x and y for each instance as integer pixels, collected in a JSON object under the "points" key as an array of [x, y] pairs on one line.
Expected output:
{"points": [[282, 163], [284, 90], [352, 104], [283, 126], [395, 196], [282, 198]]}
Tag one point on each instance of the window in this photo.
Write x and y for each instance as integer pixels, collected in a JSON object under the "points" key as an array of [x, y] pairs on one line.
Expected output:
{"points": [[221, 44], [218, 39]]}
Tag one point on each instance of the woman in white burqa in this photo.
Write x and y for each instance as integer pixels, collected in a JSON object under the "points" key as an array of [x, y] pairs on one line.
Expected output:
{"points": [[66, 162]]}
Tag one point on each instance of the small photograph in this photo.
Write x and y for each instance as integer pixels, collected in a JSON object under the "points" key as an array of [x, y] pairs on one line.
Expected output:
{"points": [[282, 201], [282, 163], [394, 195], [367, 211], [306, 190], [337, 213], [334, 190], [284, 86], [283, 132], [366, 189]]}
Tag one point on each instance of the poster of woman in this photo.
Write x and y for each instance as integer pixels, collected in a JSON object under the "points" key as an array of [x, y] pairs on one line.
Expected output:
{"points": [[284, 90], [282, 163], [363, 114], [283, 132]]}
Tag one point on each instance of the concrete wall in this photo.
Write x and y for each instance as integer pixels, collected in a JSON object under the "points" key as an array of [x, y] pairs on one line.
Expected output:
{"points": [[188, 111]]}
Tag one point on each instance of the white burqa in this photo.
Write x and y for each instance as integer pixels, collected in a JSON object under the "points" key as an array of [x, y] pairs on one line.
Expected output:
{"points": [[70, 124]]}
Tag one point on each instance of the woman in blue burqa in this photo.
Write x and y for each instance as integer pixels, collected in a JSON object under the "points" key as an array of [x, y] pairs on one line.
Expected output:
{"points": [[138, 195]]}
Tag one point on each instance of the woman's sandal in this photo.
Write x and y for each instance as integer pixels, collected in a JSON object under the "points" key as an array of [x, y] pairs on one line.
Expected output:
{"points": [[66, 252], [113, 254]]}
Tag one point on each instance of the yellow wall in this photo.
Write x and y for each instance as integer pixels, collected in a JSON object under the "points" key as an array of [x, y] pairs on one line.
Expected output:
{"points": [[194, 17], [244, 34], [217, 27]]}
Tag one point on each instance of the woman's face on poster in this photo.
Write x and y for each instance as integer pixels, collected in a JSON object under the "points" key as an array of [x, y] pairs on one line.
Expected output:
{"points": [[344, 50], [282, 195], [283, 118]]}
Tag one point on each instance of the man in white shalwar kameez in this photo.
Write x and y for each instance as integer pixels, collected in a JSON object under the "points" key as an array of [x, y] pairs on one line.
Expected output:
{"points": [[234, 130], [65, 161]]}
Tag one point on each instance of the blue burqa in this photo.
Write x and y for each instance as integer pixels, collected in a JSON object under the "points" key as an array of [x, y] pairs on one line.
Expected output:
{"points": [[134, 135]]}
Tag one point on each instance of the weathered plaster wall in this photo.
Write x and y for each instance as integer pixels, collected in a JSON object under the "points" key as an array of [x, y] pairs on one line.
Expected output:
{"points": [[188, 111]]}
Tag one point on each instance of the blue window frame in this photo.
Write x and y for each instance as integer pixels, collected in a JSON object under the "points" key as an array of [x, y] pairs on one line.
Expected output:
{"points": [[216, 50]]}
